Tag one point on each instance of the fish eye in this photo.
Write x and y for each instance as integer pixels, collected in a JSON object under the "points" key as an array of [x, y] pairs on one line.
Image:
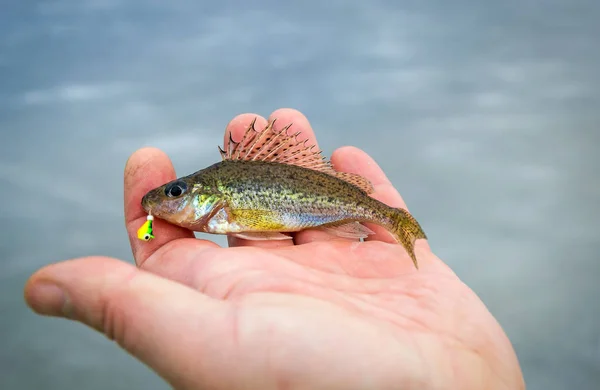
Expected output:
{"points": [[175, 189]]}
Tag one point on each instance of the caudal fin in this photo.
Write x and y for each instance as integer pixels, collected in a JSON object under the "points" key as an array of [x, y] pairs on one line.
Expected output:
{"points": [[407, 230]]}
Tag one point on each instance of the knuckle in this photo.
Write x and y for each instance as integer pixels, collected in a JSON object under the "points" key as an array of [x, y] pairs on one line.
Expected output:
{"points": [[116, 304]]}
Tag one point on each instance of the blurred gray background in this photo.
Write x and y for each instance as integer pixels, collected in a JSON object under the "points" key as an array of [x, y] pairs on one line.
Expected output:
{"points": [[483, 113]]}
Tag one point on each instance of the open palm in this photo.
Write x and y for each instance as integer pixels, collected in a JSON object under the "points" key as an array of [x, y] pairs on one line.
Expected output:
{"points": [[314, 312]]}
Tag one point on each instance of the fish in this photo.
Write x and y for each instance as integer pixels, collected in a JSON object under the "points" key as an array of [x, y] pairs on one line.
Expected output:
{"points": [[270, 183]]}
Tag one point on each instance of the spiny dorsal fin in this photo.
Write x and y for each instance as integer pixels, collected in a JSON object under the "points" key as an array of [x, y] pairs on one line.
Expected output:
{"points": [[278, 146]]}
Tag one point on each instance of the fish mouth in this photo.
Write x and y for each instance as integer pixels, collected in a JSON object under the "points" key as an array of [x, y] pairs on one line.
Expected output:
{"points": [[147, 202], [169, 209]]}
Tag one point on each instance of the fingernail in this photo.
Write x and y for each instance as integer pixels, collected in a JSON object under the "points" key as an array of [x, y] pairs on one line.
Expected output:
{"points": [[48, 299]]}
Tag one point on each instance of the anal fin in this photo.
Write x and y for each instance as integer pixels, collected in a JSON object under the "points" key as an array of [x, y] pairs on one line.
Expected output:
{"points": [[261, 236], [278, 146], [348, 230]]}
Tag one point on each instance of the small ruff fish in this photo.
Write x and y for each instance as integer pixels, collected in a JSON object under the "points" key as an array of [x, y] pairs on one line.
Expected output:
{"points": [[270, 183]]}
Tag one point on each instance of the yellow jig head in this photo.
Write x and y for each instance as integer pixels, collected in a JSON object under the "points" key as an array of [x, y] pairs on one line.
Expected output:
{"points": [[144, 233]]}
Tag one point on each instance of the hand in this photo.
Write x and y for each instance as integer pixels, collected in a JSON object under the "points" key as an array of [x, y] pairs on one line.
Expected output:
{"points": [[313, 313]]}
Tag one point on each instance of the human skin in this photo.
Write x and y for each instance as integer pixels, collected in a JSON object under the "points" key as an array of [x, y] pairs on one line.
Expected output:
{"points": [[318, 312]]}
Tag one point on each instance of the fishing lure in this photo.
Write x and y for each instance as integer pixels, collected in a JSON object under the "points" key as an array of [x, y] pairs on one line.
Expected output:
{"points": [[145, 232]]}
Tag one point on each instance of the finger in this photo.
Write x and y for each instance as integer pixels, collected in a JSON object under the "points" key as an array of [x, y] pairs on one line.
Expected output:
{"points": [[237, 127], [354, 160], [144, 313], [146, 169]]}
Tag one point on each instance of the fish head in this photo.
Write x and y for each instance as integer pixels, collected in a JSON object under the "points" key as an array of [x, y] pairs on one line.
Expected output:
{"points": [[183, 202]]}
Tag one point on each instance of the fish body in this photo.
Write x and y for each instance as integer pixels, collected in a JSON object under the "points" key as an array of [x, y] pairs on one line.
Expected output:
{"points": [[268, 184]]}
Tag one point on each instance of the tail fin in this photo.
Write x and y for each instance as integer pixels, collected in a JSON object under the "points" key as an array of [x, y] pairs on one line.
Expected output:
{"points": [[407, 230]]}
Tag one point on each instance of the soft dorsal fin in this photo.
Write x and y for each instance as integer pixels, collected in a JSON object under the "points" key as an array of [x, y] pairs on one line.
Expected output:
{"points": [[278, 146], [357, 180]]}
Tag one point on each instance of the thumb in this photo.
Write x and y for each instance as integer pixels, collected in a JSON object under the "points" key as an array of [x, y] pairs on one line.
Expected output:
{"points": [[168, 326]]}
